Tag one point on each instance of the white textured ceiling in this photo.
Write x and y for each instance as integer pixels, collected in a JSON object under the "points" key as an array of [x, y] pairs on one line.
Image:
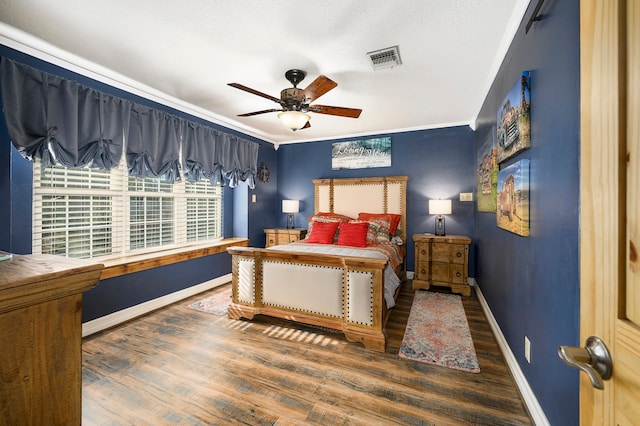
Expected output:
{"points": [[183, 54]]}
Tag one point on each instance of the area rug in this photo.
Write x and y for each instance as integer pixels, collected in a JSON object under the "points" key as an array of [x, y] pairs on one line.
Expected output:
{"points": [[216, 304], [438, 333]]}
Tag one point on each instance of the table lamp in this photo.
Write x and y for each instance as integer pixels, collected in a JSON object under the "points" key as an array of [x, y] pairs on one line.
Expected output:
{"points": [[439, 208], [290, 207]]}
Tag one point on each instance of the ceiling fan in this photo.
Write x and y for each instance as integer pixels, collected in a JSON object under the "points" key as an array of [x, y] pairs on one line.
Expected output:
{"points": [[296, 103]]}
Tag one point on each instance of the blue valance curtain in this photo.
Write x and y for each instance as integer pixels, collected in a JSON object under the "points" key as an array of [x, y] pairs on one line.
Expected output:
{"points": [[153, 144], [216, 156], [59, 121], [62, 122]]}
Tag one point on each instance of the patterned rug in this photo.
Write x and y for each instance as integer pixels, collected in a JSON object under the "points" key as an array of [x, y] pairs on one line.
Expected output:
{"points": [[438, 333], [216, 304]]}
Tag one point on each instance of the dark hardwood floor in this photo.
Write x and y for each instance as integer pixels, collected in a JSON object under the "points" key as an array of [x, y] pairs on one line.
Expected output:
{"points": [[178, 366]]}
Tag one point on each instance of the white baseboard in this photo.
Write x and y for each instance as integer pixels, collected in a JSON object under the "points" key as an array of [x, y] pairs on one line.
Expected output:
{"points": [[119, 317], [530, 400]]}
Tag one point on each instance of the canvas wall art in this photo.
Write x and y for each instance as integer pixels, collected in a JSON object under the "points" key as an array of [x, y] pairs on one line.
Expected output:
{"points": [[512, 211], [361, 154], [514, 120], [487, 174]]}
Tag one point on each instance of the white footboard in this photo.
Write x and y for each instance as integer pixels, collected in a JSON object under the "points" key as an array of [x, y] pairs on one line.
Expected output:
{"points": [[344, 293]]}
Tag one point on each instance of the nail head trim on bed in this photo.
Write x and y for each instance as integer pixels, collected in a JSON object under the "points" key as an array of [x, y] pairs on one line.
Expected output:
{"points": [[359, 284]]}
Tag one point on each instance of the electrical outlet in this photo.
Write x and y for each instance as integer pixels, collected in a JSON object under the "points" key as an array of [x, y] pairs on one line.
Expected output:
{"points": [[253, 198], [527, 349], [466, 196]]}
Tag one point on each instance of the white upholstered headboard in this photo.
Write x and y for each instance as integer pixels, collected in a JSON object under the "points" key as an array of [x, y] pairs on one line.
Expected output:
{"points": [[350, 196]]}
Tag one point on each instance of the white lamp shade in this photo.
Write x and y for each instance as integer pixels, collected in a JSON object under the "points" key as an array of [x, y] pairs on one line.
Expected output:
{"points": [[439, 207], [294, 120], [290, 206]]}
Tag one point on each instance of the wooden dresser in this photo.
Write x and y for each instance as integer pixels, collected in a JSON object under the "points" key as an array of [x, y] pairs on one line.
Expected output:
{"points": [[278, 236], [442, 261], [40, 338]]}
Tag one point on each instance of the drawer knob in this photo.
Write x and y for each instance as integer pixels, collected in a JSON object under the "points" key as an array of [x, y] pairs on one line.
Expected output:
{"points": [[422, 271], [423, 251], [458, 274], [270, 241], [458, 254]]}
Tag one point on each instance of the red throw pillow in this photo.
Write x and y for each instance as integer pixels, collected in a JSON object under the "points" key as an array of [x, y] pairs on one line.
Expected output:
{"points": [[353, 234], [323, 232]]}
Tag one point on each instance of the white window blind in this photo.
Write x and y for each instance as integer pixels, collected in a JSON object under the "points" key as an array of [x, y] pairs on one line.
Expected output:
{"points": [[86, 213], [202, 221]]}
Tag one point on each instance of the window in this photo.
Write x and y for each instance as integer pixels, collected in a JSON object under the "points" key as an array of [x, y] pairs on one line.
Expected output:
{"points": [[85, 213]]}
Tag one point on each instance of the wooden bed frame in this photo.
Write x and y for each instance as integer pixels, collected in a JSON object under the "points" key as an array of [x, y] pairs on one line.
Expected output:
{"points": [[342, 293]]}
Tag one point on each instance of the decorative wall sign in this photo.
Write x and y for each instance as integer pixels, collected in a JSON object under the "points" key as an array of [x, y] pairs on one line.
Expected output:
{"points": [[513, 119], [487, 174], [513, 198], [361, 154]]}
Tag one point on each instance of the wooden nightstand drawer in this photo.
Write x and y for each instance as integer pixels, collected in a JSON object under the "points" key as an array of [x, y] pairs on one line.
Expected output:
{"points": [[279, 236], [422, 252], [457, 274], [459, 254], [294, 238], [448, 252], [440, 271], [282, 239], [440, 252], [441, 261], [422, 271]]}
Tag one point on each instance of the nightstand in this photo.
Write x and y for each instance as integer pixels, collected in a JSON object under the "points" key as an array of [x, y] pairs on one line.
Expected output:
{"points": [[442, 261], [278, 236]]}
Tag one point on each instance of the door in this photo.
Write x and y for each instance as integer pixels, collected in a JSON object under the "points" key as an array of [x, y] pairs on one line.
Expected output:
{"points": [[610, 204]]}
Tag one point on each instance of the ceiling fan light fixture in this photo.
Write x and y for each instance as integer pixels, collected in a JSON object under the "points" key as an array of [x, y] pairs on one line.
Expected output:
{"points": [[294, 120]]}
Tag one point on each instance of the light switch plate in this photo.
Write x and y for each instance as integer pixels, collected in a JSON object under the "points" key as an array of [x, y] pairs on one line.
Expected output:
{"points": [[466, 196]]}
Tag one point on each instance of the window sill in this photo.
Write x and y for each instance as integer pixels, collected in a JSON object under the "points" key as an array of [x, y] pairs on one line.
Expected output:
{"points": [[129, 264]]}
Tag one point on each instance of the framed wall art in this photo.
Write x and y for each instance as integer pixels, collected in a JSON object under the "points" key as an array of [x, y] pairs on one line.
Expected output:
{"points": [[487, 173], [512, 210], [514, 120]]}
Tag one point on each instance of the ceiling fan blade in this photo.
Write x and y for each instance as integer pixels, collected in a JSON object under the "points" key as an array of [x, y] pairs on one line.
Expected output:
{"points": [[334, 110], [249, 114], [255, 92], [319, 87]]}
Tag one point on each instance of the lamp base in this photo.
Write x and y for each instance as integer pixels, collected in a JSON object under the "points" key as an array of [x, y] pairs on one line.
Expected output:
{"points": [[289, 220], [439, 231]]}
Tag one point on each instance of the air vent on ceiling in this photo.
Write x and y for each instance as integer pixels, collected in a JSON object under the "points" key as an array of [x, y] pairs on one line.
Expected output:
{"points": [[385, 58]]}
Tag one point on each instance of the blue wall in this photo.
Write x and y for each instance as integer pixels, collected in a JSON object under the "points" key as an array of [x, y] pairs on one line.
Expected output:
{"points": [[16, 193], [532, 284], [439, 164], [262, 212], [122, 292]]}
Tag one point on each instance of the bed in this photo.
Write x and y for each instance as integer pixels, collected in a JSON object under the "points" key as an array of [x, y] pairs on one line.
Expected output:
{"points": [[350, 289]]}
